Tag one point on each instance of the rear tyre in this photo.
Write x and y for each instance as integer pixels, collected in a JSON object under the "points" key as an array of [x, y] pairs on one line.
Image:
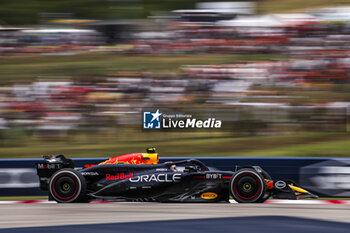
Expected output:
{"points": [[247, 186], [67, 186]]}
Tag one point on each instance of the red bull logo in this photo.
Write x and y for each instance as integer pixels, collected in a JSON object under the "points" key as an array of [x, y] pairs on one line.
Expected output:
{"points": [[119, 176]]}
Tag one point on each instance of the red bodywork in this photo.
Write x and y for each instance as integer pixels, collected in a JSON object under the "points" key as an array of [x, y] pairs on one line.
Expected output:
{"points": [[134, 158]]}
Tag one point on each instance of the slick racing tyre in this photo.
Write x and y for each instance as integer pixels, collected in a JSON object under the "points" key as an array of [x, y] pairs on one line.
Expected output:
{"points": [[67, 186], [247, 186]]}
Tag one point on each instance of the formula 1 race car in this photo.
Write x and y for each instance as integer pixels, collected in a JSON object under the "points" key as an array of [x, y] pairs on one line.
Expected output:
{"points": [[139, 177]]}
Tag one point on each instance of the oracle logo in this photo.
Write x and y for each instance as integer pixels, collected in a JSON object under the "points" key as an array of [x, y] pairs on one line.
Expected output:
{"points": [[162, 178]]}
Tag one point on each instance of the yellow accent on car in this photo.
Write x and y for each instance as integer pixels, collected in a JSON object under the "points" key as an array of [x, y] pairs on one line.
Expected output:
{"points": [[209, 195], [297, 189], [150, 158]]}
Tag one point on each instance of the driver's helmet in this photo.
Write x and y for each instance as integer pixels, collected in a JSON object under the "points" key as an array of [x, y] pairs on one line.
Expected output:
{"points": [[151, 150]]}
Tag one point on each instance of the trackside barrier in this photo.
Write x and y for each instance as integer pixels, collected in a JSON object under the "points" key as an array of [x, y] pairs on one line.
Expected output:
{"points": [[327, 177]]}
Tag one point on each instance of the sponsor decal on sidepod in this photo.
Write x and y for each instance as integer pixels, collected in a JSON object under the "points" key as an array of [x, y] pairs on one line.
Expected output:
{"points": [[163, 178], [209, 195], [280, 184], [119, 176]]}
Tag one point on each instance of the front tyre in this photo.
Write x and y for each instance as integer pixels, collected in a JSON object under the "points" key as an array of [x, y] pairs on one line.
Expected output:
{"points": [[67, 186], [247, 186]]}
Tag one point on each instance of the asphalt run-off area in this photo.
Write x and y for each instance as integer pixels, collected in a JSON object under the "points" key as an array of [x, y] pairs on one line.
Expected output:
{"points": [[160, 217]]}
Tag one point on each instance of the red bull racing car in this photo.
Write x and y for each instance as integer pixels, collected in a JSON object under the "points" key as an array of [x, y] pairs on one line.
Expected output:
{"points": [[139, 177]]}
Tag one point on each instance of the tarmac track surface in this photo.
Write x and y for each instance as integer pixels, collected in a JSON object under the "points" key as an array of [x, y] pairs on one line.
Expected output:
{"points": [[136, 217]]}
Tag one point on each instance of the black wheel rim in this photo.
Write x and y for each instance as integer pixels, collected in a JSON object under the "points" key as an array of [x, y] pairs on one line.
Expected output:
{"points": [[65, 186]]}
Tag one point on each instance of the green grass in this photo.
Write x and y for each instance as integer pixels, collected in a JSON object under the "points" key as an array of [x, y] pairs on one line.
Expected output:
{"points": [[336, 148], [303, 96], [26, 68], [276, 6], [299, 145], [23, 198]]}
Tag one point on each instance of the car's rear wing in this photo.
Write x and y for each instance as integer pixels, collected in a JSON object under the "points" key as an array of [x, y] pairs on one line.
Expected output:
{"points": [[49, 166]]}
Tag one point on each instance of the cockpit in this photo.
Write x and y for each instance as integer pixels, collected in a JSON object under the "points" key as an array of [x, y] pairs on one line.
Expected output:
{"points": [[189, 165]]}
